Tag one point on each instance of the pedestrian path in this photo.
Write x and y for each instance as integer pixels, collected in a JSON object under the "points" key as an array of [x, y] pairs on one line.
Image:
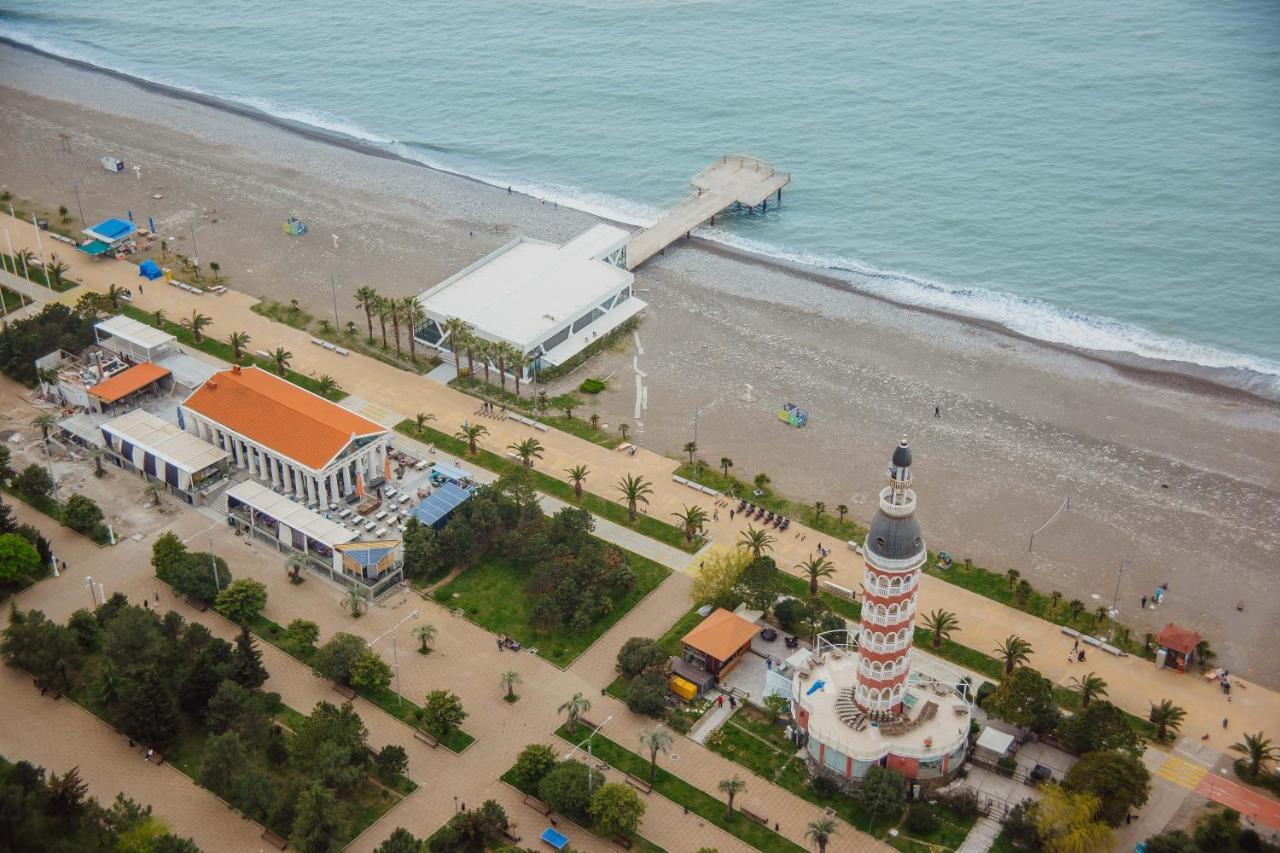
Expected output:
{"points": [[982, 836], [713, 719], [1182, 772]]}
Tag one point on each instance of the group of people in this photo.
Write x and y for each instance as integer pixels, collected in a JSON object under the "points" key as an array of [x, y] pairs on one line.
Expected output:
{"points": [[1156, 597], [490, 410], [1076, 654], [505, 642]]}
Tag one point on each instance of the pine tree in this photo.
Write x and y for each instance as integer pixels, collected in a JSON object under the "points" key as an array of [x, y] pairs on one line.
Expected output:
{"points": [[246, 661], [315, 827]]}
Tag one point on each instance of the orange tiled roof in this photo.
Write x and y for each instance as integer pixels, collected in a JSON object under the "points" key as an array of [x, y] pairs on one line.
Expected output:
{"points": [[721, 634], [127, 381], [279, 415], [1181, 640]]}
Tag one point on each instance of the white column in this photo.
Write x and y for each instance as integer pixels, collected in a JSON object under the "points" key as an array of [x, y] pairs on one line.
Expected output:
{"points": [[311, 489], [273, 472], [344, 480], [333, 488], [248, 459]]}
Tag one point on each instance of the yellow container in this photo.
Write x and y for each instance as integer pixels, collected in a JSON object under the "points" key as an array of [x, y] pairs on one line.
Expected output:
{"points": [[686, 690]]}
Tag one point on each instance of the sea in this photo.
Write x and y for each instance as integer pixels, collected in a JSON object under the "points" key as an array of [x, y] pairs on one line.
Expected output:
{"points": [[1098, 174]]}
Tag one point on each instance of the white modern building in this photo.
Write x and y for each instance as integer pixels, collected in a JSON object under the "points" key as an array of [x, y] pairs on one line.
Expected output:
{"points": [[133, 341], [159, 451], [286, 436], [543, 300]]}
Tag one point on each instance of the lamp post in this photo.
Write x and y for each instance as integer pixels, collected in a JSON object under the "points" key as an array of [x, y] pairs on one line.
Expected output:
{"points": [[1115, 600], [395, 654], [93, 592], [590, 754], [334, 289]]}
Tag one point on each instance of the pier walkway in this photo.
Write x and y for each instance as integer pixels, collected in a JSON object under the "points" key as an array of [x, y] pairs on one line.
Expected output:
{"points": [[733, 179]]}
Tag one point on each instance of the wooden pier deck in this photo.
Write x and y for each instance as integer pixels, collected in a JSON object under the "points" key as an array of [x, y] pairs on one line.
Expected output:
{"points": [[733, 179]]}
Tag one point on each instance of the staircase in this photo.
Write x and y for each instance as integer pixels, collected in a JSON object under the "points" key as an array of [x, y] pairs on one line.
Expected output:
{"points": [[215, 502], [981, 837]]}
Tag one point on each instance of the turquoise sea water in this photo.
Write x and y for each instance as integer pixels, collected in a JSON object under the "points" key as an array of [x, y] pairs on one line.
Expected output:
{"points": [[1094, 173]]}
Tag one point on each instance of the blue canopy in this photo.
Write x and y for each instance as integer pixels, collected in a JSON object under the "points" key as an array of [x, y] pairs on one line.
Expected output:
{"points": [[111, 230], [149, 269], [556, 839], [436, 508]]}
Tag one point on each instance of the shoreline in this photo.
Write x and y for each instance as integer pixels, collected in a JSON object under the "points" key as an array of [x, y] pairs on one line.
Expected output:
{"points": [[1167, 373]]}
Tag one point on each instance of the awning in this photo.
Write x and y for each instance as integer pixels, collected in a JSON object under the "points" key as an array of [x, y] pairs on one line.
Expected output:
{"points": [[439, 504], [111, 230], [449, 471], [995, 740], [126, 382], [94, 247]]}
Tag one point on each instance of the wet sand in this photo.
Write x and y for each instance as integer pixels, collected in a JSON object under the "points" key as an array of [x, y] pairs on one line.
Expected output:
{"points": [[1023, 425]]}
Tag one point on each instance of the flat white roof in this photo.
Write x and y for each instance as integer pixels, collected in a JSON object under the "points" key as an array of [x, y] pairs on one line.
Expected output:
{"points": [[161, 438], [527, 289], [995, 740], [138, 334], [289, 513]]}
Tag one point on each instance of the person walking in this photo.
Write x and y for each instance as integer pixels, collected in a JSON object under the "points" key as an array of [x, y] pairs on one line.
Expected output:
{"points": [[1080, 656], [937, 411], [1144, 602]]}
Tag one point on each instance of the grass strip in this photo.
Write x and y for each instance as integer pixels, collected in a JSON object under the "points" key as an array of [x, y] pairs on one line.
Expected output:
{"points": [[574, 426], [561, 490], [404, 710], [681, 792]]}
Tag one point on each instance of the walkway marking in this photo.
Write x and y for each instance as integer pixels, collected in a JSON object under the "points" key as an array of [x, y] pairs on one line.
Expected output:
{"points": [[1182, 772], [1253, 804]]}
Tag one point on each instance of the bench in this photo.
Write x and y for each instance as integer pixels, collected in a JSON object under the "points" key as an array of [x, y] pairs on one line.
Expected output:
{"points": [[757, 818], [341, 351], [537, 805], [540, 427], [681, 480], [429, 740], [509, 835], [317, 342], [199, 605], [641, 785], [343, 691], [274, 840], [1070, 632], [1112, 650]]}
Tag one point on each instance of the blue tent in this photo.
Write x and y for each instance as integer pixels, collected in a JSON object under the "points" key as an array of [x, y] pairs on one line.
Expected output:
{"points": [[149, 270], [436, 508], [112, 230]]}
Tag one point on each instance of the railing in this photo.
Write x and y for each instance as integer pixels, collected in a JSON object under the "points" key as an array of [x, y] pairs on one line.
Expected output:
{"points": [[865, 667], [866, 642], [871, 587], [905, 612]]}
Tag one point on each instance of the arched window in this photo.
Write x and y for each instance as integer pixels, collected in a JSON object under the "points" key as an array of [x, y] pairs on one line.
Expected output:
{"points": [[892, 612]]}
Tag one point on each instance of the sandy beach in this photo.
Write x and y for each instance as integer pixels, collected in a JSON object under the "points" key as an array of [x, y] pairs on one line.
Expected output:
{"points": [[1180, 477]]}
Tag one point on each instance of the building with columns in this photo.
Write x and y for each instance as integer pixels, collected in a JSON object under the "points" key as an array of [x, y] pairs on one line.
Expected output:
{"points": [[865, 698], [287, 437]]}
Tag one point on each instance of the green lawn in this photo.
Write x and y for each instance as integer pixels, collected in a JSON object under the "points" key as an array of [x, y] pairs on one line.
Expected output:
{"points": [[577, 425], [492, 592], [555, 486], [681, 792]]}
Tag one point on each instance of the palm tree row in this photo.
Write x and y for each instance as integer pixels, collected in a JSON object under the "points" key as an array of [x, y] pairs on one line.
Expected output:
{"points": [[462, 340], [403, 313]]}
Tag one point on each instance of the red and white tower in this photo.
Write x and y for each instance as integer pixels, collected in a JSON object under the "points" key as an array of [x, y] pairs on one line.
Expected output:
{"points": [[894, 552]]}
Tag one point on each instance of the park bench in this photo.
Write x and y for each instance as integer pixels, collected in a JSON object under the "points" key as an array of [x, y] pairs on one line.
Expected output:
{"points": [[639, 784], [199, 605], [429, 740], [583, 721], [274, 840], [344, 691], [757, 818], [509, 835], [537, 805]]}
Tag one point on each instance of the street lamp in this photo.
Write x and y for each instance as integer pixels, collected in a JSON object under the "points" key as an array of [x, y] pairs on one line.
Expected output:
{"points": [[590, 755], [1115, 600], [333, 287], [88, 581], [395, 654]]}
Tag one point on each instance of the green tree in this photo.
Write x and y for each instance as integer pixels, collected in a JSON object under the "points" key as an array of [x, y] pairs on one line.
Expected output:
{"points": [[1025, 699], [317, 827], [1014, 651], [400, 841], [367, 299], [567, 788], [1066, 822], [1117, 779], [246, 661], [281, 357], [224, 759], [1171, 841], [18, 558], [815, 569], [301, 633], [883, 793], [443, 712], [574, 708], [1099, 726], [941, 624], [528, 450], [356, 600], [640, 654], [331, 747], [371, 672], [470, 433], [759, 583], [67, 792], [756, 541], [616, 810], [731, 788], [534, 762], [1168, 718], [34, 483], [392, 761], [81, 514], [635, 490], [242, 600], [647, 694], [820, 832], [509, 680], [1258, 752], [337, 658], [656, 740], [718, 576], [458, 332], [691, 447], [725, 464], [842, 510], [148, 711], [1089, 687], [238, 341], [1218, 832], [425, 634], [577, 475]]}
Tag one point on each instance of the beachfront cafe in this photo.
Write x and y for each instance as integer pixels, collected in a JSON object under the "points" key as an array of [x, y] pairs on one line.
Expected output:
{"points": [[108, 237], [1176, 647]]}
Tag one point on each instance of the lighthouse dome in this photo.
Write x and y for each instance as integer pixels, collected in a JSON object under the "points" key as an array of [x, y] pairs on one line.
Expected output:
{"points": [[893, 538]]}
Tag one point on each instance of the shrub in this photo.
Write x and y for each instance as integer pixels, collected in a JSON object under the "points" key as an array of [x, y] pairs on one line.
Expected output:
{"points": [[391, 762], [338, 657], [962, 802], [534, 762], [789, 612], [984, 691], [883, 792], [81, 514], [639, 654], [592, 386], [34, 482], [647, 694], [824, 786], [922, 819], [566, 788]]}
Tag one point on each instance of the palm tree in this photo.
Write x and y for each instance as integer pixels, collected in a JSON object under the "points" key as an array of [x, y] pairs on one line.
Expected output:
{"points": [[470, 432], [820, 832], [1055, 598], [1075, 607], [109, 684], [114, 292], [356, 600], [725, 464], [326, 385], [1012, 575], [383, 309], [636, 490], [486, 350], [1257, 751], [761, 481], [941, 623], [816, 568], [528, 450], [159, 315], [393, 309], [55, 271], [196, 324], [520, 361], [238, 341], [756, 541], [1167, 717], [731, 788], [153, 492], [622, 428], [575, 708], [1089, 687], [577, 475], [819, 507], [422, 418], [1013, 651], [691, 447], [24, 257], [595, 420], [425, 634], [367, 298], [46, 421], [63, 213], [457, 330], [281, 357], [691, 518], [842, 510], [216, 268], [656, 740], [509, 681]]}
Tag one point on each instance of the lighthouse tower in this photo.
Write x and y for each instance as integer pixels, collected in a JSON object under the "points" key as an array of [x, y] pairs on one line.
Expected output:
{"points": [[895, 553]]}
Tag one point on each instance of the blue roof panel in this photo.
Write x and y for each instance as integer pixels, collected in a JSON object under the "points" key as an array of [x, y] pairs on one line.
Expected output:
{"points": [[113, 229], [440, 504]]}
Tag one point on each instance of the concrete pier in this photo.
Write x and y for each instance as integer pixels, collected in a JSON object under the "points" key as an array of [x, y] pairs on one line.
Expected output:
{"points": [[733, 179]]}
